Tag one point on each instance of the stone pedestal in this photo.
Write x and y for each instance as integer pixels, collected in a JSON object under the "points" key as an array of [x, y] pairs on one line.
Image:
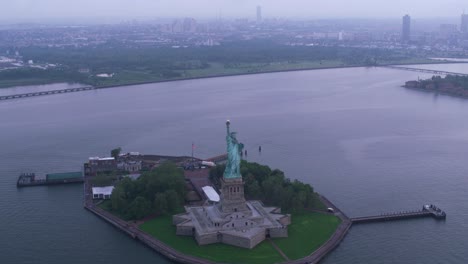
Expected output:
{"points": [[232, 196]]}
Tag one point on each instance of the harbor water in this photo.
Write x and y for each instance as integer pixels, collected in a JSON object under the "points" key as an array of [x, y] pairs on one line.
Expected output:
{"points": [[366, 143]]}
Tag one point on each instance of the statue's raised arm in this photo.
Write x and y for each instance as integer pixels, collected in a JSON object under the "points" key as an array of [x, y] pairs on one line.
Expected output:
{"points": [[234, 149]]}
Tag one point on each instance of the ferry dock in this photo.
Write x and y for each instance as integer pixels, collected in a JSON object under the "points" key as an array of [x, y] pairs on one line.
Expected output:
{"points": [[426, 211], [31, 179]]}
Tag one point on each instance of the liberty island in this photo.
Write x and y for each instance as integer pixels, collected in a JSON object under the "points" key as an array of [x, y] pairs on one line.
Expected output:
{"points": [[233, 220], [231, 229]]}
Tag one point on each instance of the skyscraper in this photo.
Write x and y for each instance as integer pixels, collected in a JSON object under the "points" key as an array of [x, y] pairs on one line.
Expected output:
{"points": [[259, 14], [405, 34], [464, 23]]}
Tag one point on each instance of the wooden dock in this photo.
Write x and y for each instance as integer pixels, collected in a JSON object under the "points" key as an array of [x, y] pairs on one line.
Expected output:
{"points": [[427, 211]]}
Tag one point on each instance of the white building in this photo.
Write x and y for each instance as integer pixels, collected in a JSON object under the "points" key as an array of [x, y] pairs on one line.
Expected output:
{"points": [[102, 192]]}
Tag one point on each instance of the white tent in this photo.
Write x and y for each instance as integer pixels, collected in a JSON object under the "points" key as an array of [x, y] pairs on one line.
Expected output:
{"points": [[212, 195], [102, 192]]}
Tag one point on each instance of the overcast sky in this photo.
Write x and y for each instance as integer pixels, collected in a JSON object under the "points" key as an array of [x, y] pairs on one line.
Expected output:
{"points": [[38, 9]]}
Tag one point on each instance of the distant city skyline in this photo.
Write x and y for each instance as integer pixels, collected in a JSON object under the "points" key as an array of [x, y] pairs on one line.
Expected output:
{"points": [[126, 9]]}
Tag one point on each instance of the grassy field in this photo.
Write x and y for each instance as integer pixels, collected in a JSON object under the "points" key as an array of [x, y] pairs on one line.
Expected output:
{"points": [[248, 68], [162, 229], [307, 232], [25, 81]]}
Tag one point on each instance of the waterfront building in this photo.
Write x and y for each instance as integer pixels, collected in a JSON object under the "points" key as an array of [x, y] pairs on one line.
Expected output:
{"points": [[102, 192], [406, 29], [259, 14], [231, 219], [130, 165], [97, 164]]}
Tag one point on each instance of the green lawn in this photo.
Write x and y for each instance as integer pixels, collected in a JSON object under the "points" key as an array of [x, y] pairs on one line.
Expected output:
{"points": [[242, 68], [307, 232], [162, 229], [106, 205], [5, 83]]}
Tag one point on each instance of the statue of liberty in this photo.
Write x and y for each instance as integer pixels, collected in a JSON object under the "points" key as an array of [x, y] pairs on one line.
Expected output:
{"points": [[234, 149]]}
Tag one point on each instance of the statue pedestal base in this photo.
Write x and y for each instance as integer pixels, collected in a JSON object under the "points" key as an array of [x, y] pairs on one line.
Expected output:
{"points": [[232, 196]]}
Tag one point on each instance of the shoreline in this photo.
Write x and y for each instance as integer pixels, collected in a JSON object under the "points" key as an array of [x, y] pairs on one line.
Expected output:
{"points": [[132, 230], [249, 73], [273, 71], [435, 92]]}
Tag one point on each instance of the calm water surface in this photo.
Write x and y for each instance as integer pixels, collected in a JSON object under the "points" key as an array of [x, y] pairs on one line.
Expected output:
{"points": [[366, 143]]}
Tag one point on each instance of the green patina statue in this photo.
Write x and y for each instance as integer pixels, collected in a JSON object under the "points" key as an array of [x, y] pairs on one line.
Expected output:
{"points": [[234, 150]]}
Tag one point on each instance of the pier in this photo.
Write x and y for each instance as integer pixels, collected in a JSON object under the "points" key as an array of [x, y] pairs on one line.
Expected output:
{"points": [[423, 70], [30, 179], [26, 95], [427, 211]]}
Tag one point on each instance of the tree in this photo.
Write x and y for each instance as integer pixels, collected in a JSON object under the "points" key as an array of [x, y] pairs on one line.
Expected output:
{"points": [[118, 199], [139, 208], [173, 201], [116, 152], [161, 190], [160, 203], [273, 188]]}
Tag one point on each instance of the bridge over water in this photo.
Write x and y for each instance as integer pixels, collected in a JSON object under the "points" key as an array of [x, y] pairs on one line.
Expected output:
{"points": [[423, 70], [26, 95]]}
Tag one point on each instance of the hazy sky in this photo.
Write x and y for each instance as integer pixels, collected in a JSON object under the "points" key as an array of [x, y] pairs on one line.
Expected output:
{"points": [[35, 9]]}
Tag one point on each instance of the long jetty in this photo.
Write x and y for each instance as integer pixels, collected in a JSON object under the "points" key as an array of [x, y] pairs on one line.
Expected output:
{"points": [[427, 211], [61, 91], [423, 70]]}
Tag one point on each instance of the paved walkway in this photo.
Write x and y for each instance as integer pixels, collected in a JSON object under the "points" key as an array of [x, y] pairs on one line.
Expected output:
{"points": [[278, 249]]}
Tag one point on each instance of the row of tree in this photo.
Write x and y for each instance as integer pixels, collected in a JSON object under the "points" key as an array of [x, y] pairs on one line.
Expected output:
{"points": [[457, 80], [272, 187], [159, 191], [133, 64]]}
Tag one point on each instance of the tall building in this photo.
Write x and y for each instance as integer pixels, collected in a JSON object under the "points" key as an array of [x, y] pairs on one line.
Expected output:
{"points": [[259, 14], [448, 31], [406, 30], [189, 25], [464, 23]]}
